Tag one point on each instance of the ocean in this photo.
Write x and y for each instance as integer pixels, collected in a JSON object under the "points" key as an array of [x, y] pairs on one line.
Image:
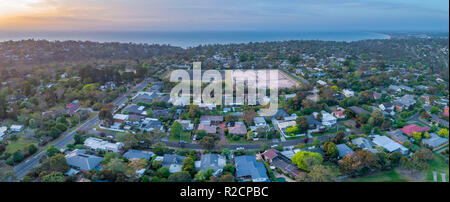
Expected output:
{"points": [[190, 39]]}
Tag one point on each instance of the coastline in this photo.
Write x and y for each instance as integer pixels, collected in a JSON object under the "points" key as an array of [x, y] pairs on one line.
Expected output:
{"points": [[192, 39]]}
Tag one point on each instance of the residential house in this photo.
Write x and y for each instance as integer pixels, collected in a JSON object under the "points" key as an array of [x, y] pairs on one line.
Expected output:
{"points": [[239, 128], [150, 124], [145, 97], [404, 102], [96, 144], [395, 88], [71, 109], [209, 129], [211, 161], [211, 119], [120, 118], [328, 120], [339, 114], [16, 128], [248, 169], [344, 150], [389, 144], [135, 110], [387, 108], [409, 129], [348, 93], [187, 125], [313, 122], [79, 160], [280, 161], [435, 141], [3, 130], [364, 143], [138, 154], [173, 161], [358, 110], [397, 135]]}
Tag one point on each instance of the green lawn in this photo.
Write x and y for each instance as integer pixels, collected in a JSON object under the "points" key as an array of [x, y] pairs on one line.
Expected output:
{"points": [[19, 144], [296, 138], [185, 136], [388, 176], [437, 164]]}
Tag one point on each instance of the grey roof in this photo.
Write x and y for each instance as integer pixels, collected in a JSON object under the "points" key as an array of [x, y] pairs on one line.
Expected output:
{"points": [[389, 144], [358, 110], [344, 150], [259, 120], [281, 113], [145, 98], [212, 118], [248, 166], [79, 160], [312, 121], [172, 159], [137, 154], [398, 136], [214, 161], [435, 141], [362, 142], [133, 109]]}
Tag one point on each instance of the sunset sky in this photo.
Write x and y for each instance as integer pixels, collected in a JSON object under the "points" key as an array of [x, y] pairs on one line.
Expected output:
{"points": [[162, 15]]}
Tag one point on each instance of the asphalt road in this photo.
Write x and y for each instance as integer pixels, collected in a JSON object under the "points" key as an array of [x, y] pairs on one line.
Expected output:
{"points": [[67, 137]]}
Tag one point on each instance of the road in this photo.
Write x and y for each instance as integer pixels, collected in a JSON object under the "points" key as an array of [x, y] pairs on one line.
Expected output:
{"points": [[67, 137]]}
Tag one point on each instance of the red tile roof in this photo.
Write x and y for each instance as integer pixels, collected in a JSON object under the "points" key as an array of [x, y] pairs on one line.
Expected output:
{"points": [[445, 111], [270, 154], [339, 113], [409, 129]]}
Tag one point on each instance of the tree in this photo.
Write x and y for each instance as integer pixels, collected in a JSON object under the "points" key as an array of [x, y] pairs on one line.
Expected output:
{"points": [[58, 163], [188, 165], [182, 176], [340, 135], [417, 136], [31, 149], [176, 129], [53, 177], [330, 149], [306, 159], [208, 142], [163, 172], [159, 148], [106, 116], [248, 116], [117, 166], [229, 168], [320, 173], [200, 176], [52, 150], [443, 133], [7, 174]]}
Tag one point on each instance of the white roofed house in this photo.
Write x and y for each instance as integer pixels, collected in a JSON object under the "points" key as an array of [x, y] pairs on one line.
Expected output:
{"points": [[16, 128], [3, 130], [120, 118], [389, 144], [327, 119], [348, 93], [97, 144]]}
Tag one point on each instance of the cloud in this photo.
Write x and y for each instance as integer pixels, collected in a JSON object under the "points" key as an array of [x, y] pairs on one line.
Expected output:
{"points": [[225, 14]]}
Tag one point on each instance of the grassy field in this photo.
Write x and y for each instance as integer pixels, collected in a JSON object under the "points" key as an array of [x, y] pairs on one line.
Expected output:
{"points": [[185, 136], [388, 176], [19, 144], [437, 164]]}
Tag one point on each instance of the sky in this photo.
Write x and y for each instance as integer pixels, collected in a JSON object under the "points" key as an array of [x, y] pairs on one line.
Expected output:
{"points": [[193, 15]]}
